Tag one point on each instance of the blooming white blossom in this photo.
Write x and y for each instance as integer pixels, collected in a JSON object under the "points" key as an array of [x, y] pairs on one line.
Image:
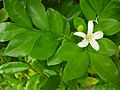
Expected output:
{"points": [[90, 37]]}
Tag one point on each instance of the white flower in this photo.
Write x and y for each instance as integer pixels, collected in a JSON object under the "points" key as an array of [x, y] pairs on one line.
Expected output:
{"points": [[90, 37]]}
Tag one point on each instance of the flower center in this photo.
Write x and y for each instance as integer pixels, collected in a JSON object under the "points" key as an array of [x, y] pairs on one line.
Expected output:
{"points": [[89, 37]]}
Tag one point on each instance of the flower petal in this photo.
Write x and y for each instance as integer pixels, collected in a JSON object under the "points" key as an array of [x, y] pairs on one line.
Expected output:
{"points": [[98, 35], [81, 34], [90, 26], [83, 43], [94, 44]]}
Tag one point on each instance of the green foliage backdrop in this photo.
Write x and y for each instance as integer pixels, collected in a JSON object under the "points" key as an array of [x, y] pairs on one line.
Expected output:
{"points": [[38, 49]]}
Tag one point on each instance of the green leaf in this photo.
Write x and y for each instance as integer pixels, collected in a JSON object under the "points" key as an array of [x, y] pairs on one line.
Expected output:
{"points": [[17, 13], [13, 67], [69, 9], [37, 66], [105, 3], [22, 44], [37, 14], [52, 83], [87, 9], [79, 21], [108, 26], [55, 21], [66, 27], [97, 5], [89, 81], [111, 11], [118, 65], [116, 38], [23, 3], [32, 83], [45, 46], [112, 4], [68, 51], [65, 5], [3, 15], [74, 10], [15, 83], [107, 47], [105, 68], [73, 86], [43, 80], [76, 67], [8, 30], [54, 60], [49, 72]]}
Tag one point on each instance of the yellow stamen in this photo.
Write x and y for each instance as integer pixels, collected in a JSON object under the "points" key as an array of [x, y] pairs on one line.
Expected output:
{"points": [[89, 37]]}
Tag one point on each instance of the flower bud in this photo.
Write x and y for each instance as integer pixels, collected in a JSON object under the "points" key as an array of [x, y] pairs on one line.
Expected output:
{"points": [[80, 28]]}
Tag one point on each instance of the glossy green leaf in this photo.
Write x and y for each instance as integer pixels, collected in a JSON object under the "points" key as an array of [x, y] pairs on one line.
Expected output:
{"points": [[79, 21], [37, 66], [89, 81], [49, 72], [69, 9], [32, 83], [105, 68], [65, 5], [98, 87], [111, 11], [107, 47], [108, 26], [37, 14], [116, 38], [23, 2], [9, 88], [52, 83], [87, 9], [55, 21], [54, 60], [74, 10], [45, 46], [97, 5], [112, 4], [43, 80], [118, 65], [105, 3], [8, 30], [13, 67], [17, 13], [15, 83], [73, 86], [3, 15], [22, 44], [76, 67], [66, 27], [68, 51]]}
